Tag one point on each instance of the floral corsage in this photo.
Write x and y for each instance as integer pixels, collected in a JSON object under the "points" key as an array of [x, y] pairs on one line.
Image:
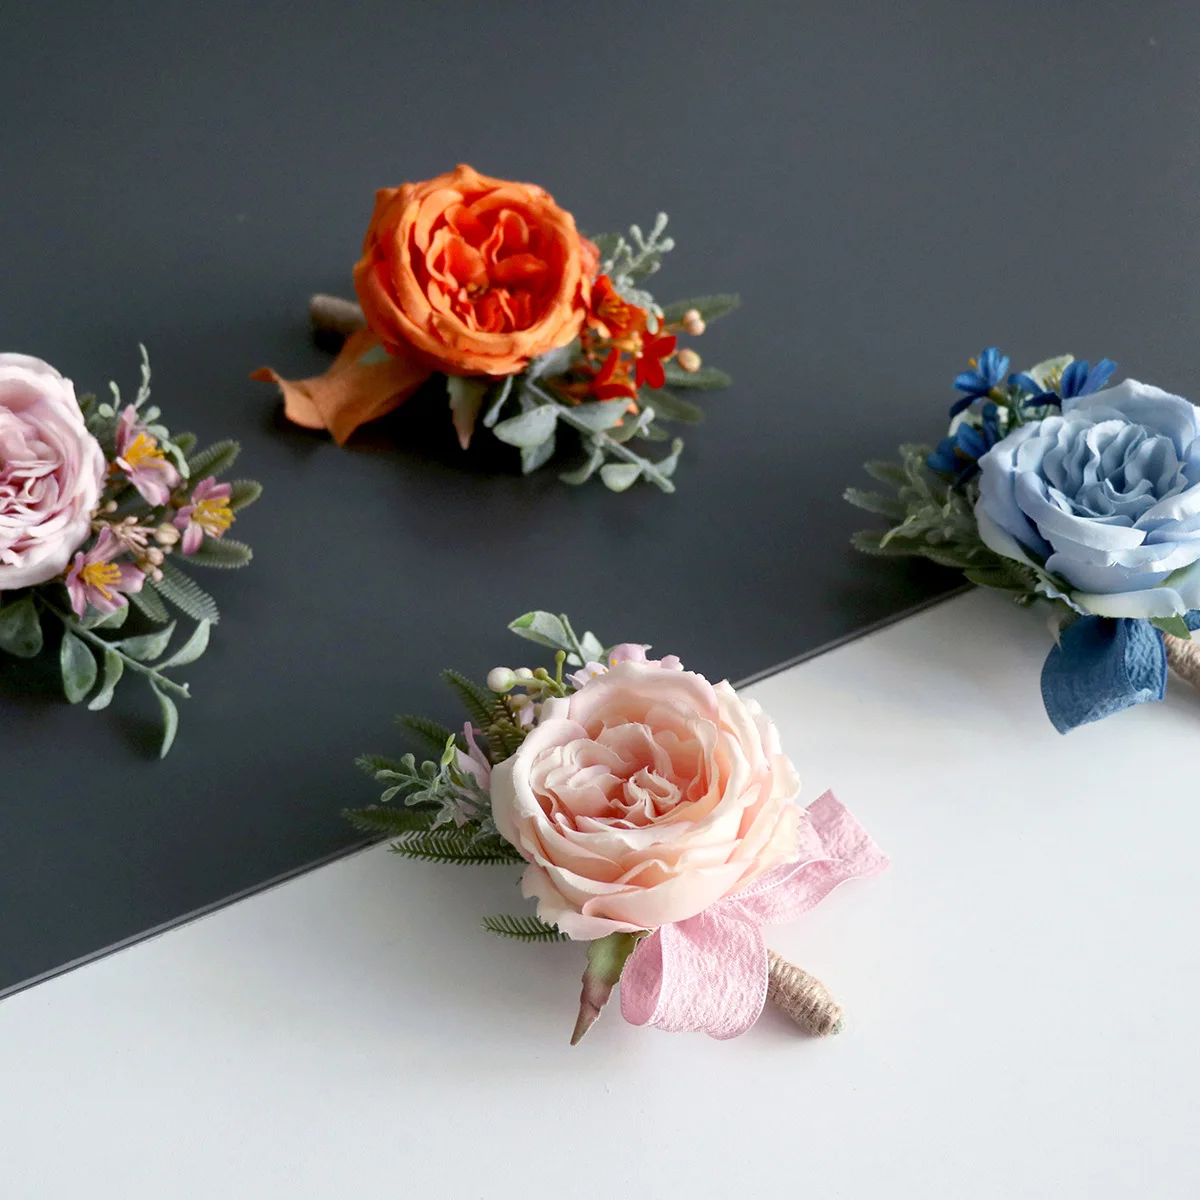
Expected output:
{"points": [[533, 327], [657, 819], [100, 508], [1068, 493]]}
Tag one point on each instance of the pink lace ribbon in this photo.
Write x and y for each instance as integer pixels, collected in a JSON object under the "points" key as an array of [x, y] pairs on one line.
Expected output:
{"points": [[710, 971]]}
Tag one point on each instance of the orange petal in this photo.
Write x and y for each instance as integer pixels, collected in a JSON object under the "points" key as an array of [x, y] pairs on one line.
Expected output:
{"points": [[363, 384]]}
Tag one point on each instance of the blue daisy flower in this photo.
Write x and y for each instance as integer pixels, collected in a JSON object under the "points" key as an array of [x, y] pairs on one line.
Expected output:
{"points": [[986, 372]]}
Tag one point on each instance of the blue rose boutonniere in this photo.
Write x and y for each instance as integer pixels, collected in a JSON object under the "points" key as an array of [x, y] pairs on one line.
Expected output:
{"points": [[1065, 492]]}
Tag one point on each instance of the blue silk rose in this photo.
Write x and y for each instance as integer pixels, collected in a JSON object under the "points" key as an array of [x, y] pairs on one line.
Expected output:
{"points": [[1105, 497]]}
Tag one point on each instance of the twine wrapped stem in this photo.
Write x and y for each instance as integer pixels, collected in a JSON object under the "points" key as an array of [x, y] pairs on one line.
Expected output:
{"points": [[802, 997], [1183, 657]]}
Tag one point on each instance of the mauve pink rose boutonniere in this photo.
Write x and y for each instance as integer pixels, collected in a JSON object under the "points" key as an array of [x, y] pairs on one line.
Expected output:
{"points": [[658, 819], [96, 509]]}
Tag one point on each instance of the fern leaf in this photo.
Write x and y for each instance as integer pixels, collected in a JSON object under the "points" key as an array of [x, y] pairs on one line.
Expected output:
{"points": [[149, 605], [524, 929], [226, 554], [477, 700], [433, 732], [186, 594], [372, 764], [213, 460], [390, 821], [455, 846]]}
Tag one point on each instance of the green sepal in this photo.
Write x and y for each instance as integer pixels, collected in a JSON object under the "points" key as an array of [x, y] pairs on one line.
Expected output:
{"points": [[606, 959]]}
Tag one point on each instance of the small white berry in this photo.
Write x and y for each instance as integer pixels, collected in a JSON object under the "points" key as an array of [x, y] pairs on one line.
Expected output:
{"points": [[501, 680]]}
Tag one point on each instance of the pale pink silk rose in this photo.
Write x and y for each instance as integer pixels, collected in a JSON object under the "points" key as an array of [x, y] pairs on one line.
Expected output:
{"points": [[644, 798], [51, 472]]}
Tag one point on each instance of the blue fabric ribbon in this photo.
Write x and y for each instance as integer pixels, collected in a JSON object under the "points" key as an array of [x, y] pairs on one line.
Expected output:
{"points": [[1102, 666]]}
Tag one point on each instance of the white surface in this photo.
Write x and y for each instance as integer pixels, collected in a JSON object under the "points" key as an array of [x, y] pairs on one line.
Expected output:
{"points": [[1022, 988]]}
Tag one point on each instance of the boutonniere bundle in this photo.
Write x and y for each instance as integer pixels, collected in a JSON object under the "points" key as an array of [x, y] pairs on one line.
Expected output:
{"points": [[100, 509], [534, 329], [1067, 493], [656, 819]]}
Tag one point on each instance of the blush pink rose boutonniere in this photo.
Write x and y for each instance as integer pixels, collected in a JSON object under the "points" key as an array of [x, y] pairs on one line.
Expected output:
{"points": [[97, 509], [658, 819]]}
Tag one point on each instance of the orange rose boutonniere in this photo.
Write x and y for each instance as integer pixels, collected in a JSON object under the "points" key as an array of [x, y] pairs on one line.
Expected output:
{"points": [[489, 284]]}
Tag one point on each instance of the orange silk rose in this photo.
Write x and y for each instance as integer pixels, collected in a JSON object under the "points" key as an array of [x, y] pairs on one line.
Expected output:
{"points": [[461, 274], [476, 275]]}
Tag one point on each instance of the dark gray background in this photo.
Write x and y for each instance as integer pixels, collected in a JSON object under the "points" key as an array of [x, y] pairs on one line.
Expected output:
{"points": [[890, 187]]}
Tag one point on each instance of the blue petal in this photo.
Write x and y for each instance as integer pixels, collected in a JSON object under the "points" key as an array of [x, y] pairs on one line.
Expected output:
{"points": [[1100, 667], [943, 459], [992, 365], [962, 404], [1098, 377], [1026, 383], [1193, 619], [1042, 400], [1074, 378], [971, 382]]}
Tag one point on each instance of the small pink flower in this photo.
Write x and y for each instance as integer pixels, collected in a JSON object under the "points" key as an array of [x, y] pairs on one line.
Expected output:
{"points": [[625, 652], [144, 464], [94, 579], [208, 512], [475, 762]]}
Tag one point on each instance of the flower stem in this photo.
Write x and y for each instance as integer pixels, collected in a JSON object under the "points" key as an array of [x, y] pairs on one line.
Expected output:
{"points": [[615, 448], [70, 623]]}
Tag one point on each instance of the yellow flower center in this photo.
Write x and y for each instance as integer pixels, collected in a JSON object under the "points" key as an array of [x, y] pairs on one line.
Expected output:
{"points": [[213, 516], [143, 452], [102, 576]]}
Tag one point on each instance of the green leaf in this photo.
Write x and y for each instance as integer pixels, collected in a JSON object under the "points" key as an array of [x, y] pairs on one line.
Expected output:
{"points": [[598, 415], [606, 960], [463, 846], [392, 822], [670, 407], [20, 629], [186, 594], [584, 473], [191, 650], [533, 457], [496, 401], [243, 493], [876, 502], [524, 929], [886, 472], [432, 732], [553, 362], [478, 701], [78, 667], [1175, 626], [545, 629], [112, 620], [530, 428], [114, 668], [213, 460], [710, 308], [666, 466], [372, 357], [148, 604], [706, 378], [466, 395], [148, 646], [186, 442], [225, 554], [619, 476], [170, 716], [870, 541], [372, 764]]}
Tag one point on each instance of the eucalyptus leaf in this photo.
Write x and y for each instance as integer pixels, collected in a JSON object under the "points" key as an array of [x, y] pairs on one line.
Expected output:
{"points": [[670, 407], [533, 457], [584, 473], [556, 362], [191, 649], [543, 628], [466, 395], [666, 466], [530, 428], [78, 667], [148, 646], [112, 620], [170, 715], [619, 476], [496, 401], [600, 415], [20, 629], [372, 357], [114, 668]]}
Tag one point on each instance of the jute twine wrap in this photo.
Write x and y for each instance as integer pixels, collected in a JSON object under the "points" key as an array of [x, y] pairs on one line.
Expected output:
{"points": [[334, 316], [1183, 657], [803, 997]]}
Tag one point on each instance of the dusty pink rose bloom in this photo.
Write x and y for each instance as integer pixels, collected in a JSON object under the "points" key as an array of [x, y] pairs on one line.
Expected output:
{"points": [[625, 652], [645, 797], [51, 472]]}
